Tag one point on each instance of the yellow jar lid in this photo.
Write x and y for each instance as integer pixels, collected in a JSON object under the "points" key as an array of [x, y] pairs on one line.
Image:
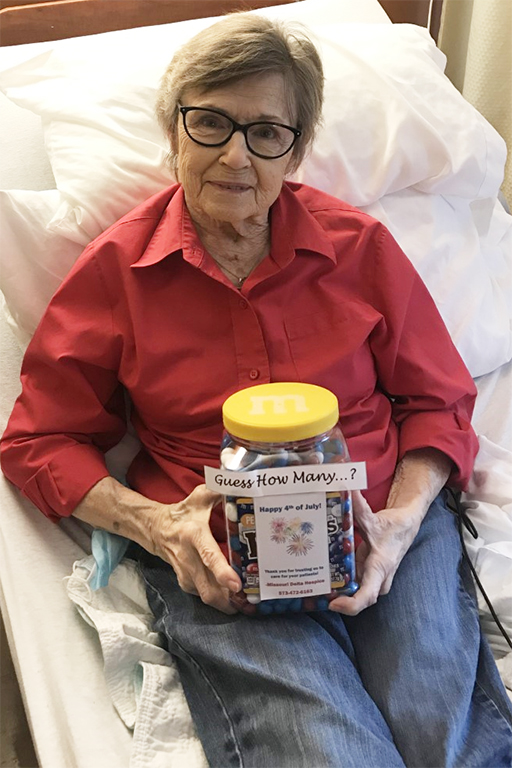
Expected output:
{"points": [[280, 412]]}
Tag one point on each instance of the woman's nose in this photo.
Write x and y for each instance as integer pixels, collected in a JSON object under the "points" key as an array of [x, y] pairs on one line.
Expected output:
{"points": [[236, 153]]}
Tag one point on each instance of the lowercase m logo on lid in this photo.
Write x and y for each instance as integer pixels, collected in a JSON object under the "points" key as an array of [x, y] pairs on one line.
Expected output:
{"points": [[278, 403]]}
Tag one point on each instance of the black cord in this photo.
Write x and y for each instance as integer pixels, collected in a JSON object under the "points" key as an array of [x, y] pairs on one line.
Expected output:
{"points": [[463, 520]]}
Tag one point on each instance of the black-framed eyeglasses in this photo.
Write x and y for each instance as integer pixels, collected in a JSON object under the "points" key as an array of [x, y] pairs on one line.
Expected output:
{"points": [[212, 128]]}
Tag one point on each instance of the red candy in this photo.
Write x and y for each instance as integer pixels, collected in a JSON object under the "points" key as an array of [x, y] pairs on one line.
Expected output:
{"points": [[236, 558], [347, 546]]}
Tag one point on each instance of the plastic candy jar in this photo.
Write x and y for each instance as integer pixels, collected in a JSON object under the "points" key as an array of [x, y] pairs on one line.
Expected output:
{"points": [[293, 552]]}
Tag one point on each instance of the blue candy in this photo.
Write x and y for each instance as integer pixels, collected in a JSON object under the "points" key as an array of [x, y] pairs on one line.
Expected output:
{"points": [[226, 440], [280, 460], [349, 562], [283, 605], [266, 607]]}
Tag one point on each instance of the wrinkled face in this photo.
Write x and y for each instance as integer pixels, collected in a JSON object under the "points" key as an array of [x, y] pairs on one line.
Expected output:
{"points": [[229, 183]]}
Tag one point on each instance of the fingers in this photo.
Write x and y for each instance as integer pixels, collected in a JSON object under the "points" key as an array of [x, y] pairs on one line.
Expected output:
{"points": [[375, 572], [375, 564], [213, 560], [211, 594], [387, 584], [374, 577], [206, 587], [362, 553], [201, 567], [367, 563]]}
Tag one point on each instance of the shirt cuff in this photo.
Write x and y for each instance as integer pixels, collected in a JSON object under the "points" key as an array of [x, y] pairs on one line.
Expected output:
{"points": [[447, 432], [58, 487]]}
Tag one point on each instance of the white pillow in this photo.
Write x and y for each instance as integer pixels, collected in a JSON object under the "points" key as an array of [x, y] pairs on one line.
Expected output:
{"points": [[34, 259], [392, 119], [24, 163], [464, 256]]}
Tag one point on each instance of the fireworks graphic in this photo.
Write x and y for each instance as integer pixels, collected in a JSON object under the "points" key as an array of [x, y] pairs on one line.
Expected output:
{"points": [[299, 545], [294, 533], [279, 531]]}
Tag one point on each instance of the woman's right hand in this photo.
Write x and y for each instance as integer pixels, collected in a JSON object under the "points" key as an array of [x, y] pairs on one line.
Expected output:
{"points": [[181, 536]]}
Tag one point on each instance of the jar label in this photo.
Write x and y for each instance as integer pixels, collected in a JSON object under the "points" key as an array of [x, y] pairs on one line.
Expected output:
{"points": [[305, 478], [293, 545]]}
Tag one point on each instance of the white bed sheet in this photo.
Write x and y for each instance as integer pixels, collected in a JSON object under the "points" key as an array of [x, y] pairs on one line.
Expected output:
{"points": [[57, 654]]}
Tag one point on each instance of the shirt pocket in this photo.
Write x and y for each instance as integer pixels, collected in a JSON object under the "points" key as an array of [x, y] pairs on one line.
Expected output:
{"points": [[331, 348]]}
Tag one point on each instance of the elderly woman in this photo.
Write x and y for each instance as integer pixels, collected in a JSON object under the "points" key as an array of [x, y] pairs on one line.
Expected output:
{"points": [[234, 277]]}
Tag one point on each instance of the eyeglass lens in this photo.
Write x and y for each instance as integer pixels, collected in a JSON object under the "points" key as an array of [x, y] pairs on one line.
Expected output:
{"points": [[212, 128]]}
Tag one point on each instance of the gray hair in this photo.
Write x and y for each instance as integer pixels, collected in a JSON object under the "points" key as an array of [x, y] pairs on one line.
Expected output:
{"points": [[240, 45]]}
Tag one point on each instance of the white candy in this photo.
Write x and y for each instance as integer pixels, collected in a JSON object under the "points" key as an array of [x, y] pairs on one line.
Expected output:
{"points": [[254, 599], [231, 511], [294, 459], [313, 457]]}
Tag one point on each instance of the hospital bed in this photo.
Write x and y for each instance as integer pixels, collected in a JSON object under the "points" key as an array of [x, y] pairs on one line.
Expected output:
{"points": [[80, 147]]}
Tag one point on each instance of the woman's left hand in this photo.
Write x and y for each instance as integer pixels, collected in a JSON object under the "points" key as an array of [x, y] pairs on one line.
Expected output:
{"points": [[387, 536]]}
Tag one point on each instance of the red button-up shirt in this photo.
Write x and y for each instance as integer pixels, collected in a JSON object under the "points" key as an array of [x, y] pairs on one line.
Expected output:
{"points": [[145, 308]]}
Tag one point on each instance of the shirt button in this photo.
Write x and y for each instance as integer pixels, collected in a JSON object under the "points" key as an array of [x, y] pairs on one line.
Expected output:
{"points": [[254, 373], [242, 304]]}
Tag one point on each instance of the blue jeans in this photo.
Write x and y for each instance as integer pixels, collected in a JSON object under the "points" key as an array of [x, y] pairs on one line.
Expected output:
{"points": [[410, 681]]}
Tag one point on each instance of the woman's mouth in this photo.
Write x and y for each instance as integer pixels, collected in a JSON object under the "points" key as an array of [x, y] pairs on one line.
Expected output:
{"points": [[230, 186]]}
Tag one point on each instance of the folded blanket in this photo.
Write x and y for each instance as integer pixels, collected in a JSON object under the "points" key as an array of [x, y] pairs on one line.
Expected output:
{"points": [[141, 675]]}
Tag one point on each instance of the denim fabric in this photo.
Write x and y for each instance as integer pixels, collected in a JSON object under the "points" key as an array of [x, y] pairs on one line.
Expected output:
{"points": [[410, 681]]}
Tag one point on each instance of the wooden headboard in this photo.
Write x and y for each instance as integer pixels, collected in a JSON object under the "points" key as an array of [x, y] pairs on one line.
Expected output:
{"points": [[29, 21]]}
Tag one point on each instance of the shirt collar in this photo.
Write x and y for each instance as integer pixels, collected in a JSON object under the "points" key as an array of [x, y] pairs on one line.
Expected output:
{"points": [[174, 232], [293, 228]]}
